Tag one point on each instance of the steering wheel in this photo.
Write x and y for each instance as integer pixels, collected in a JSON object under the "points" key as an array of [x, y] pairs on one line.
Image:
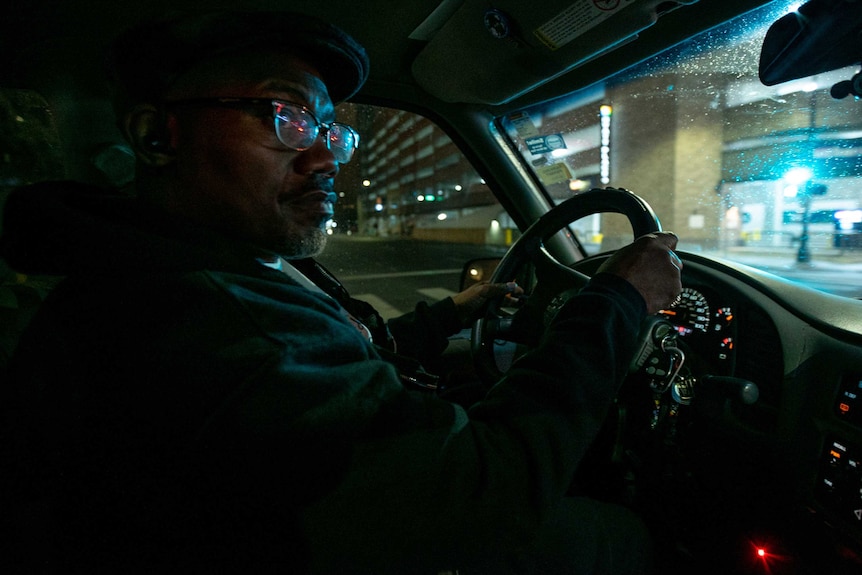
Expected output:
{"points": [[499, 326]]}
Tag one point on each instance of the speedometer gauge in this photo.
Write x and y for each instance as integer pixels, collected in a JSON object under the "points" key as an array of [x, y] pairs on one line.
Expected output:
{"points": [[689, 312]]}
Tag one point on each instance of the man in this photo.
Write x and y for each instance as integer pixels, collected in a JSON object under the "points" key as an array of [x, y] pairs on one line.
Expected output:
{"points": [[180, 405]]}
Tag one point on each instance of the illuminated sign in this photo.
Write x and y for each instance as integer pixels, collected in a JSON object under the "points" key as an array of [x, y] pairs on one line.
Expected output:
{"points": [[605, 112]]}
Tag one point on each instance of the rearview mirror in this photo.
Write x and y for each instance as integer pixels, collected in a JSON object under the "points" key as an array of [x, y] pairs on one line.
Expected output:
{"points": [[822, 35]]}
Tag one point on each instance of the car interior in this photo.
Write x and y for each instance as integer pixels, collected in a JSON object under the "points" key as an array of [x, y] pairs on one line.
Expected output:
{"points": [[561, 130]]}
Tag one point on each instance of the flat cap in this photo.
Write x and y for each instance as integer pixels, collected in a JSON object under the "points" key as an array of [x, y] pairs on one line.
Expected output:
{"points": [[145, 60]]}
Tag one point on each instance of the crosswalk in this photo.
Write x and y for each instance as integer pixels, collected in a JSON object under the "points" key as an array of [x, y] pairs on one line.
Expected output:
{"points": [[436, 293], [388, 311], [385, 310]]}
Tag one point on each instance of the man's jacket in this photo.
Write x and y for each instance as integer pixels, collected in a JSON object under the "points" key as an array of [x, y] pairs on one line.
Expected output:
{"points": [[177, 405]]}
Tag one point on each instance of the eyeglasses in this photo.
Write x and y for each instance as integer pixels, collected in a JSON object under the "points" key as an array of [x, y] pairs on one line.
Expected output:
{"points": [[295, 126]]}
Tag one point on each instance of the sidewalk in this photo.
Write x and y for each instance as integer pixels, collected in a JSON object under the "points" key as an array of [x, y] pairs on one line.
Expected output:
{"points": [[786, 257]]}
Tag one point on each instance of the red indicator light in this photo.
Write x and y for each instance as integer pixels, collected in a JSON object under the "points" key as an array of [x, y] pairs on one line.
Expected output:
{"points": [[766, 554], [843, 407]]}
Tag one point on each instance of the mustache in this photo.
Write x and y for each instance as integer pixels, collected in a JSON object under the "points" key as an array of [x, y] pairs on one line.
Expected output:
{"points": [[320, 183]]}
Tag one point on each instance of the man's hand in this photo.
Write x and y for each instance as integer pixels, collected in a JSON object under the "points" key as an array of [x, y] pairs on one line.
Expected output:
{"points": [[470, 302], [651, 266]]}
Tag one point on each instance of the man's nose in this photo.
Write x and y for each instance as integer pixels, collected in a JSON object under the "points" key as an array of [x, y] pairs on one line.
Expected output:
{"points": [[318, 158]]}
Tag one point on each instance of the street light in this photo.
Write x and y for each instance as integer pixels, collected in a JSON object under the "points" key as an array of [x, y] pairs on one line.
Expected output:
{"points": [[804, 190], [798, 180]]}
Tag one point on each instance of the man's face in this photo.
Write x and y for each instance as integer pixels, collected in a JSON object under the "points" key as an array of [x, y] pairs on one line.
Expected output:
{"points": [[233, 174]]}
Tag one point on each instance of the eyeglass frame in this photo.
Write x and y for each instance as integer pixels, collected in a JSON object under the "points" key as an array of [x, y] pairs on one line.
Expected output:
{"points": [[321, 128]]}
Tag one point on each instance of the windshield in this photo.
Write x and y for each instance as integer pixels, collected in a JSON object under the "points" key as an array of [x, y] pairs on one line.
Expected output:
{"points": [[765, 176]]}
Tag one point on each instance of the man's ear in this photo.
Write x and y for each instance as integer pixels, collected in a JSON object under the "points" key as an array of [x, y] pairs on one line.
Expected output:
{"points": [[148, 132]]}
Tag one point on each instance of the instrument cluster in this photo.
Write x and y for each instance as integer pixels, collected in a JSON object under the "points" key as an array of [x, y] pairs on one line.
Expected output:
{"points": [[706, 326]]}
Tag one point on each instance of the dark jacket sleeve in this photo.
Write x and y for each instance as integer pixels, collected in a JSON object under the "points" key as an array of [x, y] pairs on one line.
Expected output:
{"points": [[423, 333]]}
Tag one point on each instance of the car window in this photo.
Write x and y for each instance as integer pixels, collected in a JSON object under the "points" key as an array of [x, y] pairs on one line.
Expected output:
{"points": [[766, 176], [412, 209]]}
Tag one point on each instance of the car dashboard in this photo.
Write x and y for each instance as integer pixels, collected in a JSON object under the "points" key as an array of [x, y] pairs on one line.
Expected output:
{"points": [[759, 466]]}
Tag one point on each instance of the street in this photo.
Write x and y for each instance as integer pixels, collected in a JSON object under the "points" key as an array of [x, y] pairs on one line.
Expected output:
{"points": [[393, 274]]}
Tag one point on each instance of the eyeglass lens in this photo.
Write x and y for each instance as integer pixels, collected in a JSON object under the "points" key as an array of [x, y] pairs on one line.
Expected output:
{"points": [[297, 128]]}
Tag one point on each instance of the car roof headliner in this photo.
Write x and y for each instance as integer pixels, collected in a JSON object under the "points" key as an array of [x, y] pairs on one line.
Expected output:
{"points": [[434, 50]]}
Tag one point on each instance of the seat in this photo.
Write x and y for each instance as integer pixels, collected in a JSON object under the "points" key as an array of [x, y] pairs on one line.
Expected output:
{"points": [[20, 298], [31, 151]]}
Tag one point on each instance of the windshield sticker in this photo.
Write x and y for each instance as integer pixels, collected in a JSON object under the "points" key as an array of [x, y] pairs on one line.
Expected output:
{"points": [[545, 144], [524, 125], [554, 173], [575, 20]]}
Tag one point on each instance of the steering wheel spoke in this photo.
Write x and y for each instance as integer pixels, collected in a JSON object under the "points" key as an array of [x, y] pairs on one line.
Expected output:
{"points": [[550, 272]]}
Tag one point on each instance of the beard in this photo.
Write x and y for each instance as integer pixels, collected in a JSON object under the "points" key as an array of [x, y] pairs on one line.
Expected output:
{"points": [[304, 244], [307, 235]]}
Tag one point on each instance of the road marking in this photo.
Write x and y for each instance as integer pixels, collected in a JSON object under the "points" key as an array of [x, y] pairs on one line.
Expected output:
{"points": [[436, 294], [388, 311], [400, 274], [385, 310]]}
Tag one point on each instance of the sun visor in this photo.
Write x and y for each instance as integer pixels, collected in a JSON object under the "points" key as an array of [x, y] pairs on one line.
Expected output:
{"points": [[822, 35], [492, 55]]}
